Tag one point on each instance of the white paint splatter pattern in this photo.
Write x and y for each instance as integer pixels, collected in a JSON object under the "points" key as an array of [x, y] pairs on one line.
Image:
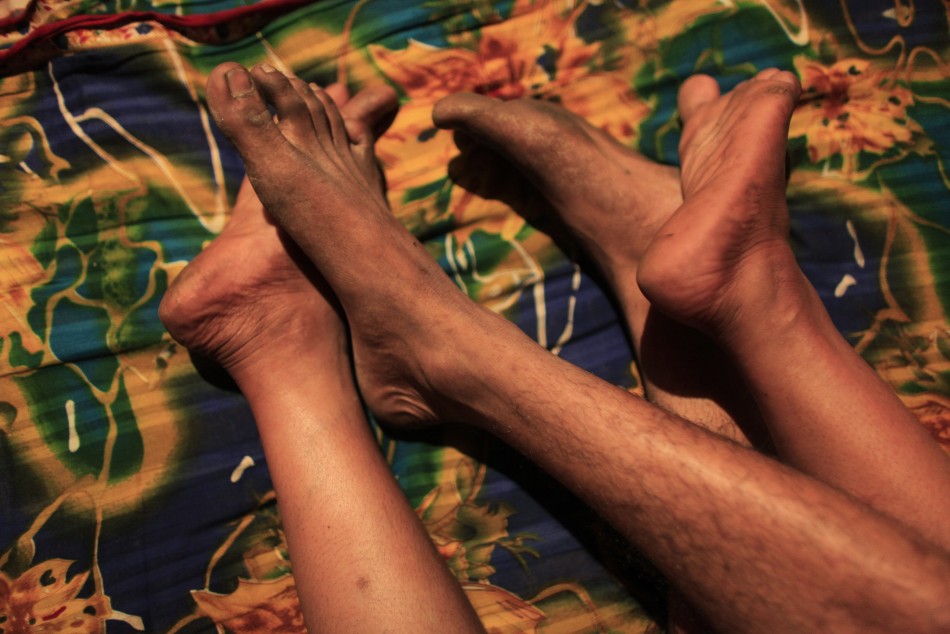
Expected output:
{"points": [[246, 463], [71, 421], [846, 282], [858, 253]]}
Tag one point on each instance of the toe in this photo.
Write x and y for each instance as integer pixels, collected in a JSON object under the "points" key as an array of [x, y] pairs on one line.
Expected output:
{"points": [[375, 106], [362, 149], [240, 110], [695, 92], [238, 104], [366, 116], [519, 129], [293, 112], [531, 134], [782, 86], [337, 91], [791, 79], [333, 118], [780, 77], [465, 111], [316, 108]]}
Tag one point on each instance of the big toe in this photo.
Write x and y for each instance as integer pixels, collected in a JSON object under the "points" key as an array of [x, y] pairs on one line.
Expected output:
{"points": [[504, 125], [481, 118], [240, 110], [695, 92], [462, 110], [523, 130], [238, 107], [374, 107]]}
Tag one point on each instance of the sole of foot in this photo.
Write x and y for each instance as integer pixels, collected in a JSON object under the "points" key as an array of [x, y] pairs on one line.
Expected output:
{"points": [[251, 292], [723, 259]]}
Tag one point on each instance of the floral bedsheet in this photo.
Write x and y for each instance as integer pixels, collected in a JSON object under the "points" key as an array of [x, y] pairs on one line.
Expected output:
{"points": [[134, 495]]}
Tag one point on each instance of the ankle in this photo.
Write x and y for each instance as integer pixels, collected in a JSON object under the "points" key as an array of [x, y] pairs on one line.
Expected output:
{"points": [[791, 312], [465, 373], [634, 305], [253, 345], [290, 350]]}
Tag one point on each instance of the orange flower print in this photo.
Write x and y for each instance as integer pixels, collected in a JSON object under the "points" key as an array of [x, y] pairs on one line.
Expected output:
{"points": [[535, 53], [256, 606], [501, 611], [42, 599], [532, 51], [933, 411], [851, 107], [19, 271]]}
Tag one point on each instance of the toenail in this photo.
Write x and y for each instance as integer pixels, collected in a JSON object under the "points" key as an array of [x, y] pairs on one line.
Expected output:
{"points": [[267, 68], [239, 82], [779, 90]]}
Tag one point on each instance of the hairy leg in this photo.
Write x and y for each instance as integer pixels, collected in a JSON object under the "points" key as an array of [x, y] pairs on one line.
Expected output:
{"points": [[755, 545], [613, 200], [251, 302], [723, 264]]}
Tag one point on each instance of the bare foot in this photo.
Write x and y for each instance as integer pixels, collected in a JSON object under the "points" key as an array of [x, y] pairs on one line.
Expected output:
{"points": [[723, 257], [316, 175], [251, 292], [611, 198]]}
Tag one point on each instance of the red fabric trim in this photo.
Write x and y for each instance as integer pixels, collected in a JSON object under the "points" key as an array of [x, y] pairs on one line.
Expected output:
{"points": [[268, 8]]}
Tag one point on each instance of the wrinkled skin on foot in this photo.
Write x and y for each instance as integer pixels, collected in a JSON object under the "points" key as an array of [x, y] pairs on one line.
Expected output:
{"points": [[316, 174], [251, 292], [611, 198], [724, 256]]}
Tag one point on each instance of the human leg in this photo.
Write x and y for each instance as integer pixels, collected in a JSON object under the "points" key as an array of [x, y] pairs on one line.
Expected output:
{"points": [[755, 545], [723, 264], [605, 193], [613, 200], [361, 559]]}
